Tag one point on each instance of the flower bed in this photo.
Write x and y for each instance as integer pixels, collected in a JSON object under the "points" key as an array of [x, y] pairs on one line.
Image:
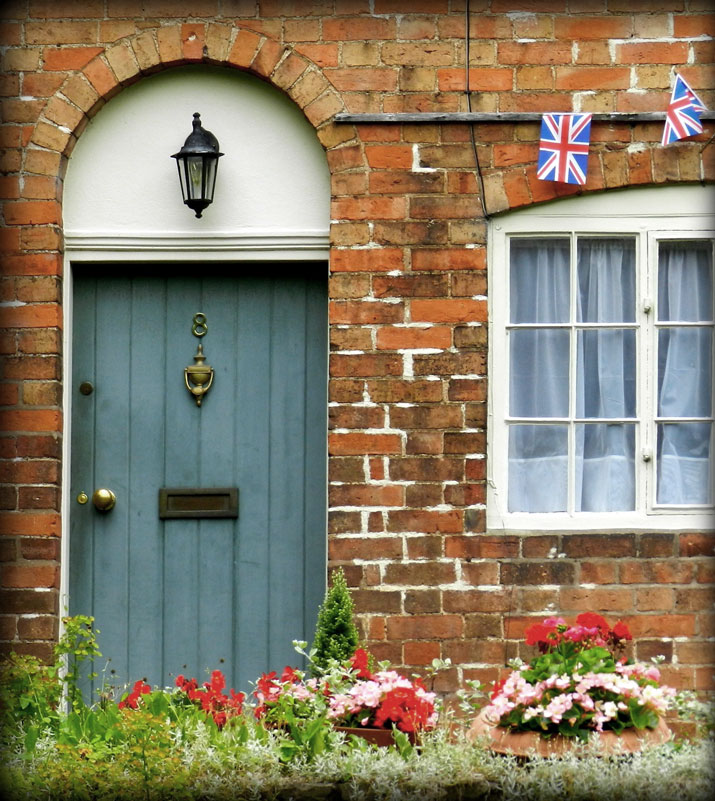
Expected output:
{"points": [[200, 741]]}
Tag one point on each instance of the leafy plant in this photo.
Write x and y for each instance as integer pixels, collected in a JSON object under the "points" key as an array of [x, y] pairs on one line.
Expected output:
{"points": [[31, 692], [336, 636], [577, 685]]}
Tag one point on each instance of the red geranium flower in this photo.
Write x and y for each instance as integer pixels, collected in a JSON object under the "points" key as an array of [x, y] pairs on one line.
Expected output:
{"points": [[360, 662], [211, 697], [621, 632], [590, 620], [132, 699]]}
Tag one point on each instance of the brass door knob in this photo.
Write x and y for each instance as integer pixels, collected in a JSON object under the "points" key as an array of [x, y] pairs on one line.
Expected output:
{"points": [[103, 499]]}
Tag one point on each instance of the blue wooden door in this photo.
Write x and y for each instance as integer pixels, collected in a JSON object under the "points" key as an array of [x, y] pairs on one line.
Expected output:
{"points": [[185, 596]]}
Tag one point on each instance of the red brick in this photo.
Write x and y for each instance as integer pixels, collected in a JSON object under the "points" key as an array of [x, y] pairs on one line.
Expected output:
{"points": [[656, 572], [445, 207], [193, 40], [366, 495], [499, 600], [448, 310], [534, 53], [420, 573], [101, 77], [395, 338], [32, 212], [369, 208], [389, 157], [28, 601], [404, 391], [410, 286], [33, 420], [364, 548], [37, 628], [362, 79], [449, 259], [439, 417], [450, 364], [58, 32], [576, 599], [356, 312], [392, 182], [601, 545], [492, 79], [424, 521], [420, 653], [478, 573], [481, 547], [268, 55], [652, 53], [579, 28], [687, 26], [358, 28], [40, 548], [369, 365], [366, 260], [665, 625], [68, 58], [433, 627], [20, 576], [345, 444], [585, 78], [170, 44], [697, 544]]}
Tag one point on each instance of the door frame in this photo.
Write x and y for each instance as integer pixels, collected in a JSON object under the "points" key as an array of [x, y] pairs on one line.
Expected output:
{"points": [[106, 250]]}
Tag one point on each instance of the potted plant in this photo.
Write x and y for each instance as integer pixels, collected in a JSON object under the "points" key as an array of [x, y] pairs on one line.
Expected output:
{"points": [[580, 684], [349, 697]]}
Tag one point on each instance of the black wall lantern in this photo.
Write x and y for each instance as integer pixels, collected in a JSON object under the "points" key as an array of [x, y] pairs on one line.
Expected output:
{"points": [[198, 163]]}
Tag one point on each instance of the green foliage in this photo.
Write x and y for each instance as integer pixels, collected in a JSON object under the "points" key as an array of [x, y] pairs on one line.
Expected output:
{"points": [[31, 692], [168, 748], [336, 636]]}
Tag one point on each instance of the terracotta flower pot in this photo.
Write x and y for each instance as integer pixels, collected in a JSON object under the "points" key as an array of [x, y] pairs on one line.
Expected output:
{"points": [[526, 743], [381, 737]]}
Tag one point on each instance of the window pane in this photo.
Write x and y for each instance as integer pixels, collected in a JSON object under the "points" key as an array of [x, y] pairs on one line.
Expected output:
{"points": [[606, 373], [606, 280], [538, 468], [685, 281], [684, 463], [685, 372], [539, 373], [539, 280], [605, 468]]}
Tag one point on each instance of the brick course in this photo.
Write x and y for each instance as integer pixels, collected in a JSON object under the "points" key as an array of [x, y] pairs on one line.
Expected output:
{"points": [[408, 292]]}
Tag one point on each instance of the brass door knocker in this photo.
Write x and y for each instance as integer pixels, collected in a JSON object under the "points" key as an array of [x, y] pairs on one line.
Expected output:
{"points": [[199, 376]]}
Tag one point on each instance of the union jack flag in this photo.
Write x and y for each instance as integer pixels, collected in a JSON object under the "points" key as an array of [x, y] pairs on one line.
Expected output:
{"points": [[563, 149], [683, 116]]}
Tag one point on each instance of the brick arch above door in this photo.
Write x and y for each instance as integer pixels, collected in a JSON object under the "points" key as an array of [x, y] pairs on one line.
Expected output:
{"points": [[105, 75]]}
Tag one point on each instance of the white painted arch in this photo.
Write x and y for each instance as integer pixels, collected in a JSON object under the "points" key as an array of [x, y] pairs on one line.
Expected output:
{"points": [[122, 200], [272, 196]]}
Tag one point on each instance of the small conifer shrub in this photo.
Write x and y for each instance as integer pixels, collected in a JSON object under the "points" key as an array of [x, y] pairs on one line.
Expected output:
{"points": [[336, 636]]}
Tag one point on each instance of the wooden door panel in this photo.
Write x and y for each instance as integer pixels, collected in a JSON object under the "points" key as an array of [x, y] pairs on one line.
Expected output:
{"points": [[174, 596]]}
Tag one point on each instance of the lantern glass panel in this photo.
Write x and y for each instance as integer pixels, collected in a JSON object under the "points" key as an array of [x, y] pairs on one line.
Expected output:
{"points": [[195, 174]]}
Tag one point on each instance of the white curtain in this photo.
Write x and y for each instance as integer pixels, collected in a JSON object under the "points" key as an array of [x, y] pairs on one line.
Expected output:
{"points": [[541, 385], [604, 385], [685, 294]]}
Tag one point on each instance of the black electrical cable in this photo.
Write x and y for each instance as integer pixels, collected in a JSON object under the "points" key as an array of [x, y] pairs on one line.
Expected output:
{"points": [[468, 92]]}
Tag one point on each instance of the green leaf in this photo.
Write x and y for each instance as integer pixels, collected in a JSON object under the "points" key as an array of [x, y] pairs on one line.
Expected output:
{"points": [[31, 739]]}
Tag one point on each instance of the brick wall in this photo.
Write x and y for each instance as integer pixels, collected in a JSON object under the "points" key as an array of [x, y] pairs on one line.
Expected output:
{"points": [[408, 289]]}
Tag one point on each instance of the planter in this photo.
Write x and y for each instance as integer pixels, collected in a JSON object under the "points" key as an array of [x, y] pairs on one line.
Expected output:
{"points": [[528, 743], [380, 737]]}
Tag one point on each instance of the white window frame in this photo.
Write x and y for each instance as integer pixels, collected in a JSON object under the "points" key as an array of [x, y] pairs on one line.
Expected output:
{"points": [[650, 215]]}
